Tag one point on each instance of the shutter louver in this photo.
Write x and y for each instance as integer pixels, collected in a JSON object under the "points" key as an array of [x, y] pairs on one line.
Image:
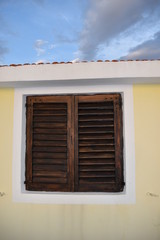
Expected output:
{"points": [[48, 154], [98, 159]]}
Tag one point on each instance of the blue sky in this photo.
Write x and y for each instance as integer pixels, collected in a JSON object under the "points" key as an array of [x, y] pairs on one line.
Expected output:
{"points": [[75, 30]]}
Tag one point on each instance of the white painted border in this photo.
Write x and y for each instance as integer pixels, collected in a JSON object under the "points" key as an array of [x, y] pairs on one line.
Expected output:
{"points": [[125, 72], [19, 192]]}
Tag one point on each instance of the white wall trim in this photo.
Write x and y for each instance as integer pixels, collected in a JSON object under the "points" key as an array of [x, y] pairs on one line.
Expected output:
{"points": [[127, 72], [19, 192]]}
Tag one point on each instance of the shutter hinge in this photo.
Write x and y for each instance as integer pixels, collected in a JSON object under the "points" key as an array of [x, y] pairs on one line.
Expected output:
{"points": [[27, 182], [120, 102], [122, 186], [28, 105]]}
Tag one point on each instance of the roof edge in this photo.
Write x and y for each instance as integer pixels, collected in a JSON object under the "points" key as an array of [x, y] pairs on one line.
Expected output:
{"points": [[75, 62]]}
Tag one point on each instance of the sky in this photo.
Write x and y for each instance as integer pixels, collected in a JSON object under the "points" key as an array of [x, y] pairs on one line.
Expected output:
{"points": [[33, 31]]}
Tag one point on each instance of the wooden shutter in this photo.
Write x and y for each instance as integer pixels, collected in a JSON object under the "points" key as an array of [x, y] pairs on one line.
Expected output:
{"points": [[74, 143], [98, 143], [48, 144]]}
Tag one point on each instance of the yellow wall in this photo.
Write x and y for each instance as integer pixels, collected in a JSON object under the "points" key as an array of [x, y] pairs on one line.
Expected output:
{"points": [[84, 222]]}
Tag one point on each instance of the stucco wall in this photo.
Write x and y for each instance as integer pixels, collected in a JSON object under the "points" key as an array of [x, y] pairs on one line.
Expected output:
{"points": [[85, 222]]}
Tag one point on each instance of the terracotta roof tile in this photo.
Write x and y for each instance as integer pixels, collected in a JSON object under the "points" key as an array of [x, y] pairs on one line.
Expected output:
{"points": [[114, 60], [69, 62], [4, 65]]}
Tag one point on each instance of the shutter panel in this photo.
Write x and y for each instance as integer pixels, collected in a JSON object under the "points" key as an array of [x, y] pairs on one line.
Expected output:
{"points": [[48, 158], [98, 143]]}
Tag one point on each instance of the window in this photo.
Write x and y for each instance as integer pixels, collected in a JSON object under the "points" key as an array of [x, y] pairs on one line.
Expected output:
{"points": [[74, 143]]}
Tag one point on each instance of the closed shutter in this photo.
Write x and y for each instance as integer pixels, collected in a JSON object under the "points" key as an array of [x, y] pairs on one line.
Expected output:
{"points": [[74, 143], [98, 143], [48, 148]]}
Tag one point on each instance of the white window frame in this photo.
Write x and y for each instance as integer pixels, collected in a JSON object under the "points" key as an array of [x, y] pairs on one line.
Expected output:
{"points": [[18, 176]]}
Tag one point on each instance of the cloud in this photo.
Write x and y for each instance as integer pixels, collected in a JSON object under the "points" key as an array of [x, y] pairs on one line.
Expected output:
{"points": [[148, 50], [60, 38], [44, 50], [76, 60], [40, 46], [107, 19], [40, 43], [41, 61], [3, 50], [51, 46]]}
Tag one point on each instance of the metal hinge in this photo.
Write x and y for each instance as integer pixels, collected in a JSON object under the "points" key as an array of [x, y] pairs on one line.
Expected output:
{"points": [[28, 105], [120, 102]]}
